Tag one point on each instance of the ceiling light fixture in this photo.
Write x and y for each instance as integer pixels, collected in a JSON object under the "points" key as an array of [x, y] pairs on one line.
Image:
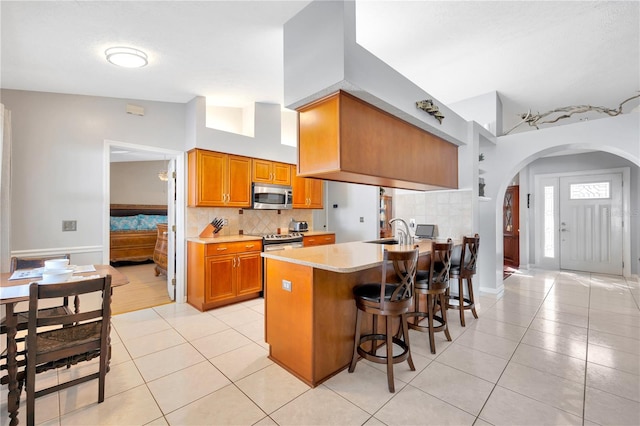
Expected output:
{"points": [[127, 57]]}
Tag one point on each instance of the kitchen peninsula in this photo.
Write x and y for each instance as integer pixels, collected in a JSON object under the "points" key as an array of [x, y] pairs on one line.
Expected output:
{"points": [[309, 308]]}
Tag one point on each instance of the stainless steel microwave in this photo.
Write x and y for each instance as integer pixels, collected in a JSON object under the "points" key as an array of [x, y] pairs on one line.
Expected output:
{"points": [[271, 197]]}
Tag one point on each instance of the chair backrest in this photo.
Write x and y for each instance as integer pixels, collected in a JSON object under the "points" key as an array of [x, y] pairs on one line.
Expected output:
{"points": [[470, 246], [32, 262], [404, 264], [38, 293], [440, 263]]}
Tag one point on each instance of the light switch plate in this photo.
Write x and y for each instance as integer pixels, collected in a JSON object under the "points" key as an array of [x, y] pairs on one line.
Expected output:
{"points": [[69, 225], [286, 285]]}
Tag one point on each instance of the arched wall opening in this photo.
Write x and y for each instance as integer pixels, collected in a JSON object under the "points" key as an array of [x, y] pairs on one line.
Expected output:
{"points": [[619, 136], [527, 234]]}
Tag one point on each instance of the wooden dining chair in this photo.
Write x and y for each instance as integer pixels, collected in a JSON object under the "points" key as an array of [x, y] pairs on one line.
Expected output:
{"points": [[69, 339], [60, 307], [32, 262]]}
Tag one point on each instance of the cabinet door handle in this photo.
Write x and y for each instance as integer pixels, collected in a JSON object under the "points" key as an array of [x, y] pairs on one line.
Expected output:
{"points": [[233, 262], [249, 246], [221, 248]]}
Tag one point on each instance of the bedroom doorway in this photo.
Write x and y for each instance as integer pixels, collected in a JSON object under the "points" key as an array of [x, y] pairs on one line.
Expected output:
{"points": [[160, 168]]}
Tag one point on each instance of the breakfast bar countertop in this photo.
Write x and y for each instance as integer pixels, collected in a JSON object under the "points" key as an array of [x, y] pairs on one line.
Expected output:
{"points": [[343, 257]]}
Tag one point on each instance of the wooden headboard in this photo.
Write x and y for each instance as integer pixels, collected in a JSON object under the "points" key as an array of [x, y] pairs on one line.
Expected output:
{"points": [[134, 209]]}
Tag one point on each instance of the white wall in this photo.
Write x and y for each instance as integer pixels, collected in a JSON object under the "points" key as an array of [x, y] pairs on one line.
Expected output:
{"points": [[266, 141], [58, 159], [484, 109], [353, 202], [137, 182]]}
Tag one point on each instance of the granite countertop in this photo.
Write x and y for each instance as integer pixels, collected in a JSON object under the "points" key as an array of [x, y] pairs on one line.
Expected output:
{"points": [[224, 239], [245, 237], [343, 257]]}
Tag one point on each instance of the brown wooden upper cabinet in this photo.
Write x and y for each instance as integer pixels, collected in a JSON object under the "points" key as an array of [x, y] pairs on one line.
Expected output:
{"points": [[307, 193], [346, 139], [218, 180], [265, 171]]}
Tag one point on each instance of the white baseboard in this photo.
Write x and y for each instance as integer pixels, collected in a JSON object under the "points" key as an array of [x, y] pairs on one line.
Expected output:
{"points": [[498, 292]]}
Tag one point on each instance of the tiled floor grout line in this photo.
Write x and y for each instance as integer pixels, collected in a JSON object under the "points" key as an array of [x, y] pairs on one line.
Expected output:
{"points": [[586, 356], [541, 307], [514, 351]]}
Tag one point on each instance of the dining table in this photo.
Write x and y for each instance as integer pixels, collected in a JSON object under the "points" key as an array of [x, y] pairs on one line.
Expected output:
{"points": [[11, 293]]}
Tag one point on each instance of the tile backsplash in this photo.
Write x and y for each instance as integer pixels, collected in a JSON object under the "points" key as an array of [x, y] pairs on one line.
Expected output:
{"points": [[450, 211], [248, 221]]}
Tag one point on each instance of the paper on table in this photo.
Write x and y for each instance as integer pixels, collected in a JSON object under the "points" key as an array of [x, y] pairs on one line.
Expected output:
{"points": [[23, 290], [23, 274], [14, 291], [83, 268]]}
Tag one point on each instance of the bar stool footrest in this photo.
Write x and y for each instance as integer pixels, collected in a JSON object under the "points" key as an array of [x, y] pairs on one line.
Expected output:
{"points": [[466, 303], [425, 328], [382, 359]]}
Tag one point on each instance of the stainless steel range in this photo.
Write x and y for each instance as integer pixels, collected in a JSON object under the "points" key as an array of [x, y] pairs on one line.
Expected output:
{"points": [[272, 242]]}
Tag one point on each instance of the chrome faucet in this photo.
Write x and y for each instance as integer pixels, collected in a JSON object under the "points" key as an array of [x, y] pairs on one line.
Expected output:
{"points": [[402, 237], [406, 232]]}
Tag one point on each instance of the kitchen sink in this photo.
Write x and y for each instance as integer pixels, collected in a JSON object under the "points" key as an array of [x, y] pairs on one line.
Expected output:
{"points": [[384, 241]]}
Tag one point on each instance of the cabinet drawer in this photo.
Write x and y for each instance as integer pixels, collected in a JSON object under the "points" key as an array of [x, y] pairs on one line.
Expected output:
{"points": [[319, 240], [233, 247]]}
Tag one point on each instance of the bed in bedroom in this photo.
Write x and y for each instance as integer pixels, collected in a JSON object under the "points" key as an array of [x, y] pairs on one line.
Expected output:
{"points": [[134, 231]]}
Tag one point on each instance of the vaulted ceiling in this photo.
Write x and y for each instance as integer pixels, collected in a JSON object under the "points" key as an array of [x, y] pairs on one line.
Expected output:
{"points": [[538, 55]]}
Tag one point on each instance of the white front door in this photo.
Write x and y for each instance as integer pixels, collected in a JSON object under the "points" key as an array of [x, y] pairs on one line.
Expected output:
{"points": [[591, 223]]}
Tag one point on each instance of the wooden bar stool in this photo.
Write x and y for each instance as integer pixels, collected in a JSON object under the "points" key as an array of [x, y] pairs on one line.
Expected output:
{"points": [[464, 269], [433, 284], [390, 300]]}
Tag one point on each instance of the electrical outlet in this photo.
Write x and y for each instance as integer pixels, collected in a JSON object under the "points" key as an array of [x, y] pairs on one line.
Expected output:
{"points": [[225, 221], [69, 225], [412, 222], [361, 219], [286, 285]]}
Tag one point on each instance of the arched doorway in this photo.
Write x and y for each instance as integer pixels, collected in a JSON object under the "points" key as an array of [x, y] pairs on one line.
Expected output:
{"points": [[617, 136]]}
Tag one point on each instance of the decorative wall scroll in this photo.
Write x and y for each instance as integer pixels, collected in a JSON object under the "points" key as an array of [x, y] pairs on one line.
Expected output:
{"points": [[534, 120], [428, 106]]}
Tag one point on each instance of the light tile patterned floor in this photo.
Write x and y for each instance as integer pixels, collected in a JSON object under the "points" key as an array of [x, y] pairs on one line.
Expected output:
{"points": [[557, 348]]}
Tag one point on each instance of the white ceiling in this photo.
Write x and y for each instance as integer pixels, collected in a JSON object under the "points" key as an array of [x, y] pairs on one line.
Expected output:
{"points": [[537, 55]]}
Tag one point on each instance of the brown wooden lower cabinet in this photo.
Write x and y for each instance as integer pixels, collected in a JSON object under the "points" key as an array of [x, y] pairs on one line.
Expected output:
{"points": [[219, 274], [318, 240]]}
